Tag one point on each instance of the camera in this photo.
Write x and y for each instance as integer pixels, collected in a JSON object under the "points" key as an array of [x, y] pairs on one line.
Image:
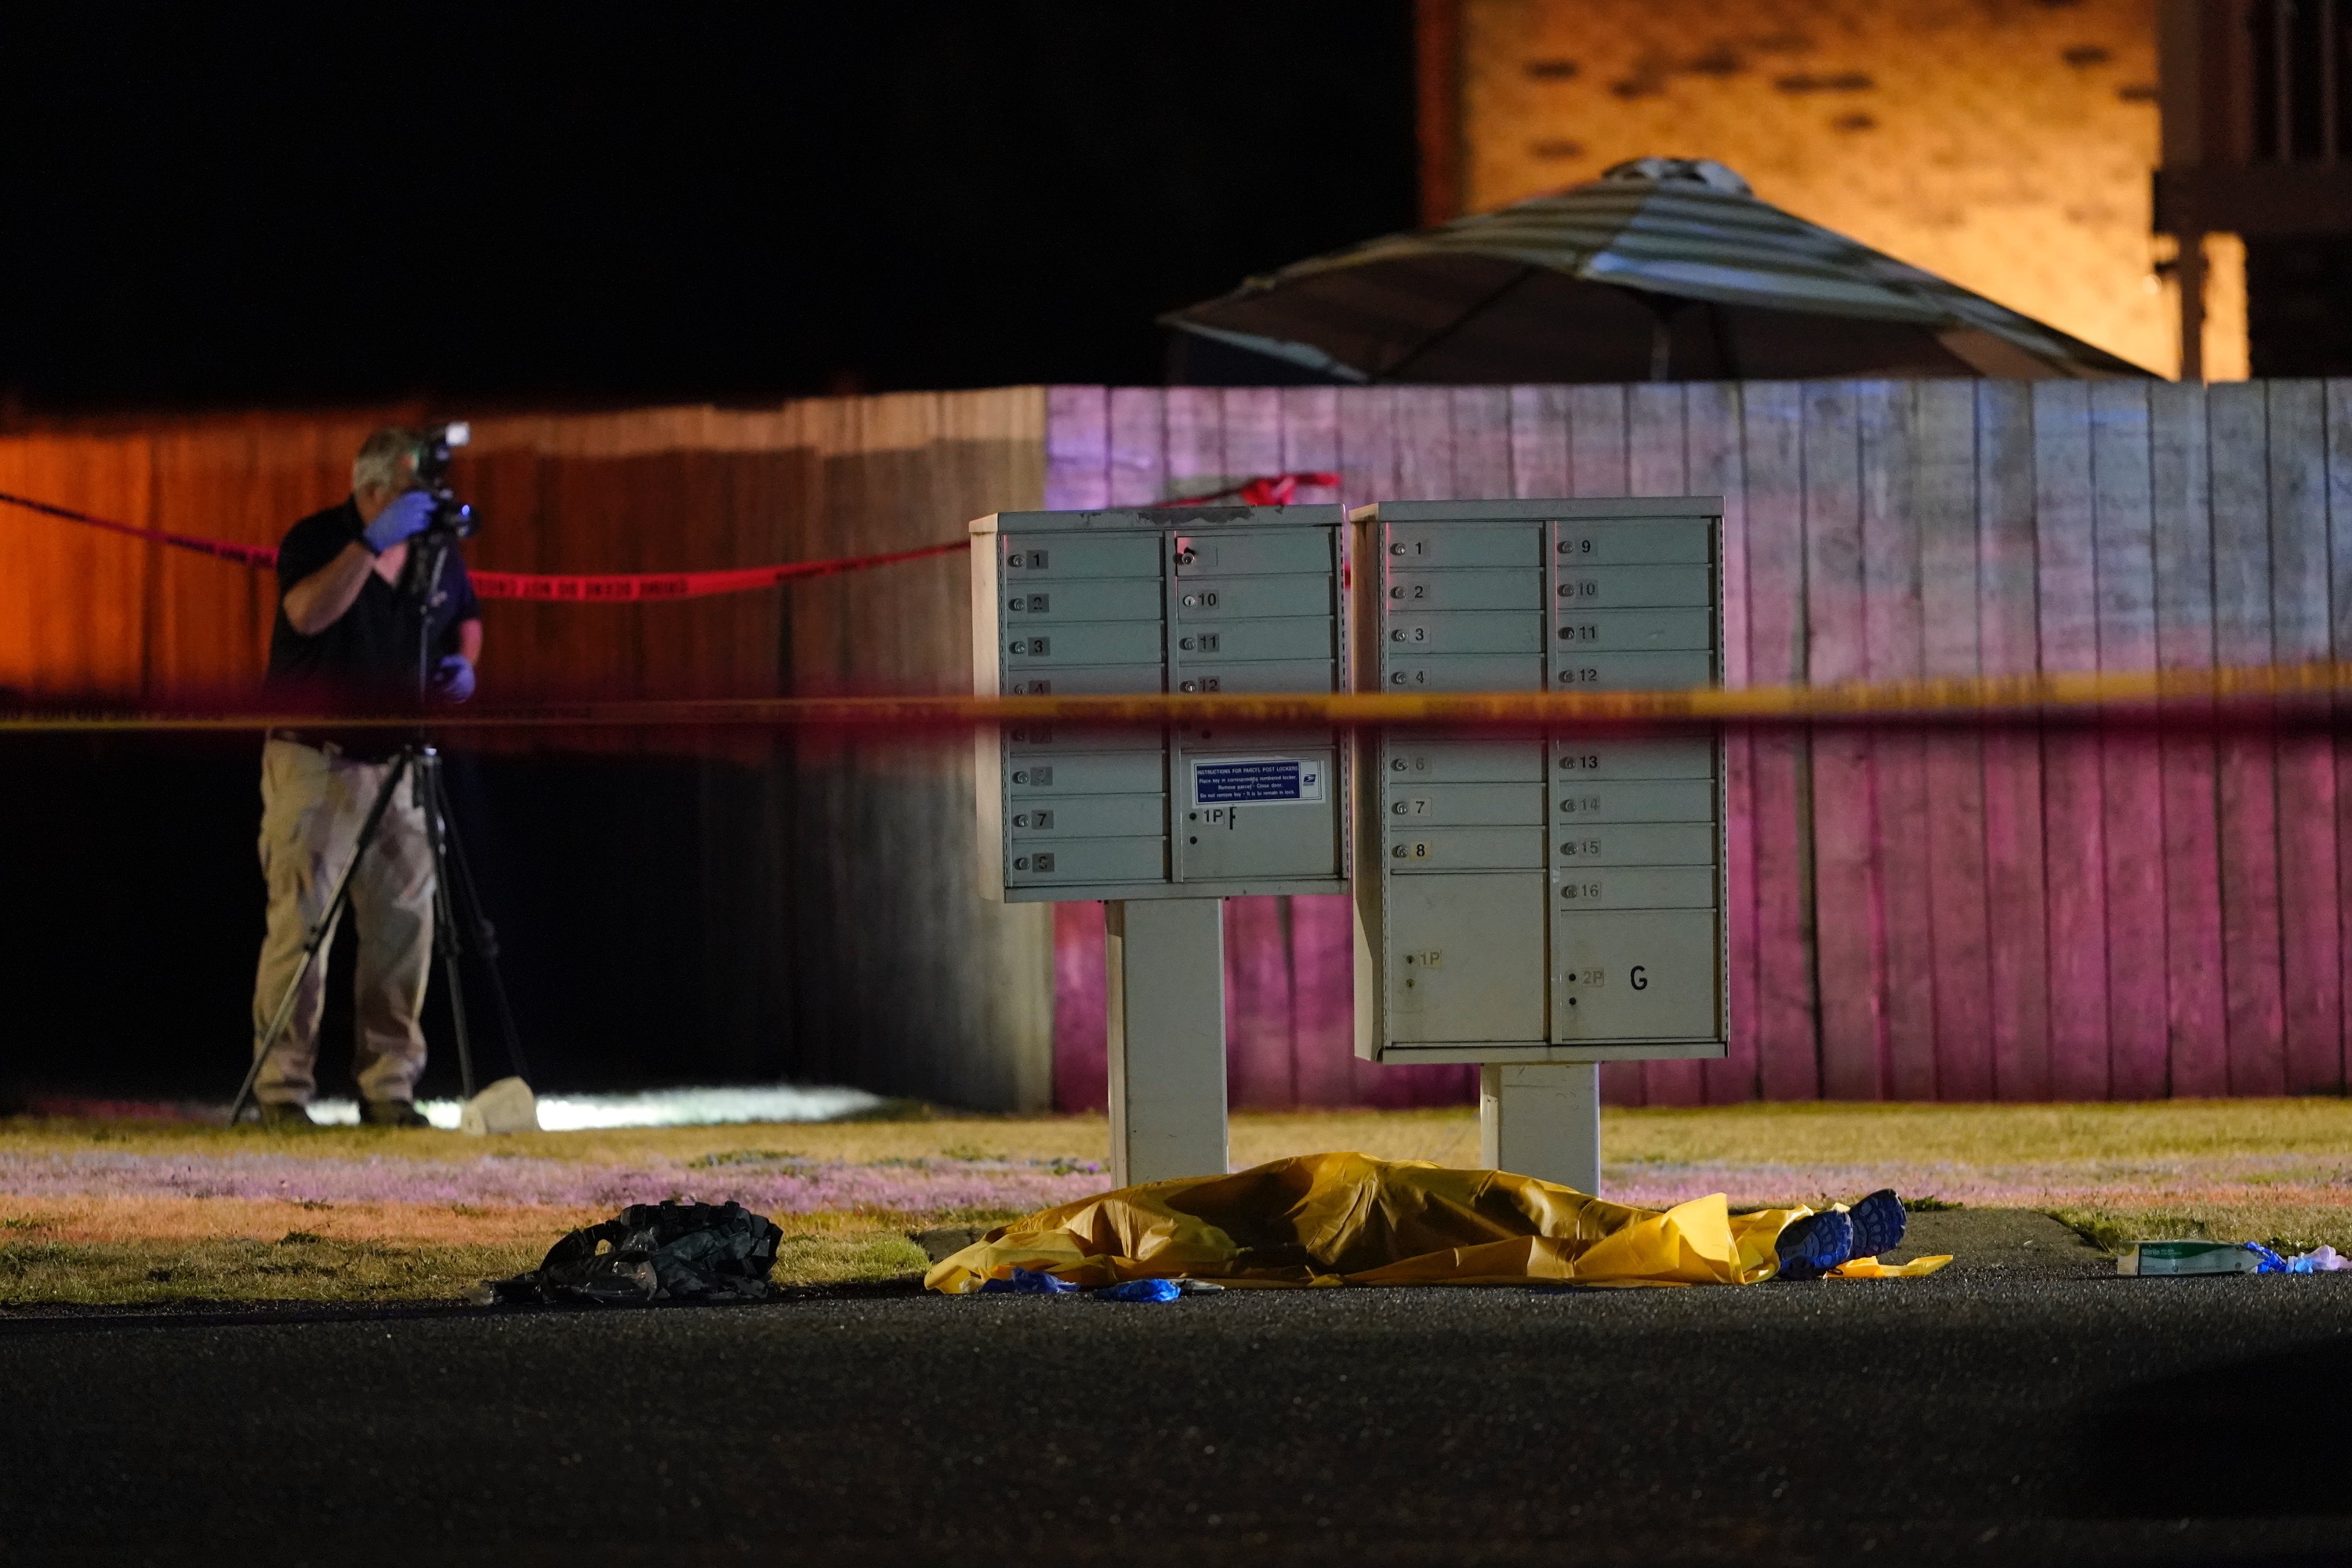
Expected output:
{"points": [[451, 516]]}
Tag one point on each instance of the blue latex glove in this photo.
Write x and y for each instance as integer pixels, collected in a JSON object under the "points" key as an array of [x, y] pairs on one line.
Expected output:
{"points": [[1140, 1290], [1028, 1283], [404, 517], [453, 677]]}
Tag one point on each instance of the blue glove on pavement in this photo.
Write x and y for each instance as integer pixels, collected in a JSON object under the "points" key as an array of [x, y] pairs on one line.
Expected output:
{"points": [[403, 517], [453, 677]]}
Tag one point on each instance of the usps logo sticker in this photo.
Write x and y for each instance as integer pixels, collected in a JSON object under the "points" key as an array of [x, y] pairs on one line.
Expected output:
{"points": [[1243, 781]]}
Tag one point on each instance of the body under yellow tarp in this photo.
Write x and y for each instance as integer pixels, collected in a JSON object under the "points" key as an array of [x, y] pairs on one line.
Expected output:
{"points": [[1350, 1219]]}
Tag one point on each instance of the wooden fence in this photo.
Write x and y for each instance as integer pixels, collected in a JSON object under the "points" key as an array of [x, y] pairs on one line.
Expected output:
{"points": [[1997, 915], [831, 882], [2007, 914]]}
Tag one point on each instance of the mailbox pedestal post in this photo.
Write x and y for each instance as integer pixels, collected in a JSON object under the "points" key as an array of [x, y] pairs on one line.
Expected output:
{"points": [[1543, 1119], [1167, 1016]]}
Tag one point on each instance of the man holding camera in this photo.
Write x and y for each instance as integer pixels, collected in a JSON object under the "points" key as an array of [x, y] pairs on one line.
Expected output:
{"points": [[347, 631]]}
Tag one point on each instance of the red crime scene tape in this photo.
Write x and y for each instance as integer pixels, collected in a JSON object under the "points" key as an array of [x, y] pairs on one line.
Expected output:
{"points": [[638, 587]]}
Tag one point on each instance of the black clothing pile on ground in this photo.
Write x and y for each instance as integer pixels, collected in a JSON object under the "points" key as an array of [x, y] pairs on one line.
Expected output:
{"points": [[656, 1252]]}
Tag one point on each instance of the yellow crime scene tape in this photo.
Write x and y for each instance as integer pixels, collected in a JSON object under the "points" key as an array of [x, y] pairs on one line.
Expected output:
{"points": [[2308, 690]]}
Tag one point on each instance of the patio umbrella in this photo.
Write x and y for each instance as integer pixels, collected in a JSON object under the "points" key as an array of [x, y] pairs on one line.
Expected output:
{"points": [[1663, 269]]}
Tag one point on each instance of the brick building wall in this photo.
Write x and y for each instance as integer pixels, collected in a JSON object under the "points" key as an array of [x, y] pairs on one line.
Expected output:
{"points": [[2006, 144]]}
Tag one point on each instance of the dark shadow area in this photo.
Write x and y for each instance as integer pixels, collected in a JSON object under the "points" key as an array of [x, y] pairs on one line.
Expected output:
{"points": [[2262, 1437], [2299, 305], [616, 885], [635, 206]]}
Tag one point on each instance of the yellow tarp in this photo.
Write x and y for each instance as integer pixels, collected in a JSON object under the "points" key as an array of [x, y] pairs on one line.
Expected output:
{"points": [[1335, 1219]]}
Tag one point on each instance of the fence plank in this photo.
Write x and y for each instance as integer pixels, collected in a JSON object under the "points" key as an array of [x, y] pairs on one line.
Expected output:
{"points": [[2130, 762], [2237, 420], [1847, 911], [1482, 441], [1260, 1046], [1077, 448], [1656, 460], [1945, 496], [1893, 650], [1310, 439], [1713, 425], [1788, 1044], [2309, 938], [1425, 444], [1596, 440], [2008, 643], [1253, 432], [1322, 949], [1138, 447], [2066, 582], [1539, 441], [2196, 1024], [2339, 536], [1194, 418], [1597, 467], [1321, 924], [1368, 463]]}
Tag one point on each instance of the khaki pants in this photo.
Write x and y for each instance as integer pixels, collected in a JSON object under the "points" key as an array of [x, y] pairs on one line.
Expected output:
{"points": [[312, 807]]}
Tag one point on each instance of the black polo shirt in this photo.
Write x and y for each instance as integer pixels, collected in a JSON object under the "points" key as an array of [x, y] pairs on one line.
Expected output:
{"points": [[369, 654]]}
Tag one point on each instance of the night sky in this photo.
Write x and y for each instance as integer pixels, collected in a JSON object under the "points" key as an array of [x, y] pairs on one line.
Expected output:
{"points": [[603, 205]]}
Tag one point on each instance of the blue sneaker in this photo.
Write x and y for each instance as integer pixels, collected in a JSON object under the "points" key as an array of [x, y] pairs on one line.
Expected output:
{"points": [[1811, 1247], [1877, 1223]]}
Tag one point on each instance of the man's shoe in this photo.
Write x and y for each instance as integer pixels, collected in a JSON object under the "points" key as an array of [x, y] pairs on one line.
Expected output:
{"points": [[392, 1113], [1811, 1247], [280, 1114], [1878, 1222]]}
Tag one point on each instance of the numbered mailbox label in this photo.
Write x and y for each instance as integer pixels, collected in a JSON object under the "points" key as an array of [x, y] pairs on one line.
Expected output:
{"points": [[1129, 773], [1466, 631], [1635, 843], [1464, 849], [1082, 642], [1257, 781], [1634, 800], [1579, 671], [1631, 888], [1074, 555], [1640, 631], [1473, 588], [1576, 545], [1454, 545], [1635, 587], [1112, 599], [1464, 805], [1246, 598], [1412, 759], [1277, 637], [1680, 758], [1463, 672]]}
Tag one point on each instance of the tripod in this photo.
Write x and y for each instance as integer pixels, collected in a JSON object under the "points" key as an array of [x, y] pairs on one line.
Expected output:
{"points": [[457, 917], [458, 920]]}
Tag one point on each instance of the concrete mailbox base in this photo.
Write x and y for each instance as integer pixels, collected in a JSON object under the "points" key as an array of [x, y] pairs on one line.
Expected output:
{"points": [[1542, 1120], [1167, 959]]}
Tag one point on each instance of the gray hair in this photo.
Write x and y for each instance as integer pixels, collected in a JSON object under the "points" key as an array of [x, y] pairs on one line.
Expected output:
{"points": [[382, 457]]}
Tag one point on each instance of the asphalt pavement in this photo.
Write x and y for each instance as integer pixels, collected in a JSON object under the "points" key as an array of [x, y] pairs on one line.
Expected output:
{"points": [[2028, 1408]]}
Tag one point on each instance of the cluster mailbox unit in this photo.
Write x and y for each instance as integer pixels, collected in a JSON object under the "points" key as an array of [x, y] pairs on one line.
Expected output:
{"points": [[1161, 824], [1540, 904], [1535, 903]]}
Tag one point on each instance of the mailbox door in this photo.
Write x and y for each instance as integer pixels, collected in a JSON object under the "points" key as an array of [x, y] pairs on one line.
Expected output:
{"points": [[1467, 960], [1643, 975]]}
